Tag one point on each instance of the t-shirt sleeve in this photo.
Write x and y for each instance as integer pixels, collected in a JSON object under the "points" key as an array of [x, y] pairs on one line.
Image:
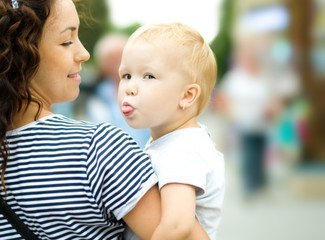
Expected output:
{"points": [[119, 172], [182, 165]]}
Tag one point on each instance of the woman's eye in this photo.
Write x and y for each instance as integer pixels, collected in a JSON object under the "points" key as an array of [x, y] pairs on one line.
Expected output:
{"points": [[67, 43], [148, 76], [126, 76]]}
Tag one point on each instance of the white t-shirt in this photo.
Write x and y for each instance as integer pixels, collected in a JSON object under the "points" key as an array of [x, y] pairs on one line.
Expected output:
{"points": [[248, 97], [188, 156]]}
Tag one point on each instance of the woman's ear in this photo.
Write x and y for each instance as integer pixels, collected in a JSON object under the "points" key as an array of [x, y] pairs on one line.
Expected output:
{"points": [[191, 94]]}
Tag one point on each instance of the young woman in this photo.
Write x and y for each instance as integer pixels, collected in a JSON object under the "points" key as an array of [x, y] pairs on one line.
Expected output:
{"points": [[65, 179]]}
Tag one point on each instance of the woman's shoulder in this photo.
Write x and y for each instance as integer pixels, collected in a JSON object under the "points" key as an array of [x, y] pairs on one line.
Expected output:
{"points": [[66, 124], [69, 123], [61, 120], [61, 125]]}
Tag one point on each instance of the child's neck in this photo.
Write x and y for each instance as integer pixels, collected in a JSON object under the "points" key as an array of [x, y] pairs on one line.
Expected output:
{"points": [[188, 123]]}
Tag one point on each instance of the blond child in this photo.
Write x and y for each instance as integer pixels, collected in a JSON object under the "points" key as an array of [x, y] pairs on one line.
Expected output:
{"points": [[167, 74]]}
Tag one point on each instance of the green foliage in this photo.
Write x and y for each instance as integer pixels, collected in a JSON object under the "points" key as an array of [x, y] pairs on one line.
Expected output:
{"points": [[131, 29], [94, 22], [221, 44], [126, 30]]}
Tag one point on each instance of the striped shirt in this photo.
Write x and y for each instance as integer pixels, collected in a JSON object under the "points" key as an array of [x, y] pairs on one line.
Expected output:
{"points": [[70, 179]]}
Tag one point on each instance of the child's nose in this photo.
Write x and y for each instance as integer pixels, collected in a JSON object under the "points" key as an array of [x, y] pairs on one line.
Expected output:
{"points": [[131, 89]]}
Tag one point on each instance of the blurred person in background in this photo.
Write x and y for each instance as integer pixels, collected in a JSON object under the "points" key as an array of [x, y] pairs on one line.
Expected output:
{"points": [[248, 102], [102, 106], [257, 91]]}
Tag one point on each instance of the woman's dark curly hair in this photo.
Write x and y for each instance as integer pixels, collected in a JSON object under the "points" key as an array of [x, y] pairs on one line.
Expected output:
{"points": [[20, 33]]}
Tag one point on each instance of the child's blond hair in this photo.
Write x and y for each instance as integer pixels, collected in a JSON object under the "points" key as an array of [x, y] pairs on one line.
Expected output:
{"points": [[202, 67]]}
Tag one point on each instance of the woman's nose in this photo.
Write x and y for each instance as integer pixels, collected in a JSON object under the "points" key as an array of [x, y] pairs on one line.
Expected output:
{"points": [[83, 54]]}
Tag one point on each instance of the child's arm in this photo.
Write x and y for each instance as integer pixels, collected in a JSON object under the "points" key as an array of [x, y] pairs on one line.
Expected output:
{"points": [[198, 232], [178, 214]]}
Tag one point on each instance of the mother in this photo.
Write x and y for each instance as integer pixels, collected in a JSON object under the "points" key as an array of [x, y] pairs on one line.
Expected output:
{"points": [[65, 179]]}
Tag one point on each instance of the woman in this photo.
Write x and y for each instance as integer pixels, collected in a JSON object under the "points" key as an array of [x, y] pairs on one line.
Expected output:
{"points": [[65, 179]]}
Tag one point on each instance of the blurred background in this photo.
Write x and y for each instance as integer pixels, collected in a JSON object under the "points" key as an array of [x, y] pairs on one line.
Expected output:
{"points": [[267, 111]]}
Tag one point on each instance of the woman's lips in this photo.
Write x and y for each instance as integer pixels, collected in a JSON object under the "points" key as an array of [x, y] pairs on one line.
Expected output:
{"points": [[75, 77], [127, 109]]}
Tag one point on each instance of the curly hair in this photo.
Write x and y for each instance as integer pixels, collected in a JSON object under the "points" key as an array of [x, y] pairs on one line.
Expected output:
{"points": [[20, 31]]}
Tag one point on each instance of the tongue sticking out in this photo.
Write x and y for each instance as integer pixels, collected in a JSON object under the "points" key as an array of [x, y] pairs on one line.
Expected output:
{"points": [[126, 109]]}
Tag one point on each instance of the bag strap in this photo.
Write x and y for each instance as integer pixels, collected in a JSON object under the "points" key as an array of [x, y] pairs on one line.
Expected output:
{"points": [[15, 221]]}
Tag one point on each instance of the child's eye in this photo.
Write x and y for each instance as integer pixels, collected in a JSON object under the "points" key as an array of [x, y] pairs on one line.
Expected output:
{"points": [[67, 43], [126, 76], [149, 76]]}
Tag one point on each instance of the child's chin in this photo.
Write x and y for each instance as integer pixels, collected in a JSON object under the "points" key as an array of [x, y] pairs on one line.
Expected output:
{"points": [[136, 126], [131, 124]]}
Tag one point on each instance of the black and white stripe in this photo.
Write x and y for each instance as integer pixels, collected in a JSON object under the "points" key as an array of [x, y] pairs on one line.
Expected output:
{"points": [[69, 179]]}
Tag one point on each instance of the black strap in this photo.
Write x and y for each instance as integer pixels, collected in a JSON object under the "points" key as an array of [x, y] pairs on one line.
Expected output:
{"points": [[14, 220]]}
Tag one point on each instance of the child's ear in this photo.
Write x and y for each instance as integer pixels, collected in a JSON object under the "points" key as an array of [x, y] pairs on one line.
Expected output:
{"points": [[191, 94]]}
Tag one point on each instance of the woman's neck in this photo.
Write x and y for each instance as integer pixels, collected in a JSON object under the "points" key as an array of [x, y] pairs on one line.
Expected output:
{"points": [[26, 116]]}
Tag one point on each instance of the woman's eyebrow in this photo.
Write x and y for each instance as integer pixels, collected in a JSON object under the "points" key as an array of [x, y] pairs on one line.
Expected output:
{"points": [[69, 28]]}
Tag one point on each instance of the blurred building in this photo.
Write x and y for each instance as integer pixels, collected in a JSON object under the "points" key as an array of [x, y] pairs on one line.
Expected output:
{"points": [[295, 60], [306, 32], [293, 204]]}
